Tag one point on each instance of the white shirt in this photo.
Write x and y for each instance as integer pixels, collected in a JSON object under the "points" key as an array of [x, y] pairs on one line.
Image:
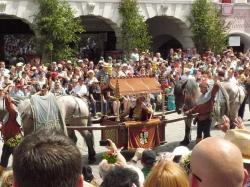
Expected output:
{"points": [[80, 90], [233, 80]]}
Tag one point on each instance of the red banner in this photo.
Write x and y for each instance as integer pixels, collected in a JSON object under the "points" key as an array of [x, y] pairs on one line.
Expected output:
{"points": [[144, 137]]}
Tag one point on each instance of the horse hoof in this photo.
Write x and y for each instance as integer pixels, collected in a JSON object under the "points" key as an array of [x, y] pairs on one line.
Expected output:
{"points": [[92, 160], [184, 142]]}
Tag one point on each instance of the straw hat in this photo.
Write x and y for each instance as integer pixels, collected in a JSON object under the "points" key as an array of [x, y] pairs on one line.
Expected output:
{"points": [[90, 71], [19, 64], [106, 65], [241, 138]]}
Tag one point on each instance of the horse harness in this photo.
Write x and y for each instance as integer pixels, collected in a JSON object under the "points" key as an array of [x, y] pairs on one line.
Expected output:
{"points": [[77, 112]]}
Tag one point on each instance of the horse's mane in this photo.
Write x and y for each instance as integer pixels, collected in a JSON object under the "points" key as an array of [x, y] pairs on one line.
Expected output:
{"points": [[190, 86], [24, 106]]}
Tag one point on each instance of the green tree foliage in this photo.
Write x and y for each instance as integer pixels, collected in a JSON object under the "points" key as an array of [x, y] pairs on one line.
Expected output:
{"points": [[133, 28], [208, 28], [58, 28]]}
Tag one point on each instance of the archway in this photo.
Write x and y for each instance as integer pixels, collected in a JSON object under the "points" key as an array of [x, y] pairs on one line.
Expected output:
{"points": [[17, 39], [168, 32], [163, 44], [99, 39], [244, 41]]}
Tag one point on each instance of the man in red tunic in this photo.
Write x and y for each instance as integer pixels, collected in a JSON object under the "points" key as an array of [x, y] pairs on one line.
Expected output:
{"points": [[11, 132], [204, 108]]}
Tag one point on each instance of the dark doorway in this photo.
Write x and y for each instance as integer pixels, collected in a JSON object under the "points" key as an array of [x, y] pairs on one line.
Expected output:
{"points": [[98, 38], [16, 39], [164, 43], [239, 49]]}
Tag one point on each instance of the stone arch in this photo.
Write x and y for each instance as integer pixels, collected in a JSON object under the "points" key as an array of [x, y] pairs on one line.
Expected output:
{"points": [[23, 21], [107, 21], [14, 29], [102, 33], [169, 26], [244, 39]]}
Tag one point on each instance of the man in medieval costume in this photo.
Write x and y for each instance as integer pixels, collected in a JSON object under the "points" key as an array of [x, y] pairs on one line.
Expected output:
{"points": [[204, 108], [11, 131]]}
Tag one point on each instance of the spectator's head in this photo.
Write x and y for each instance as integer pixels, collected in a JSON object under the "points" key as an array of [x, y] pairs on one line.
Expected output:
{"points": [[47, 158], [104, 168], [7, 179], [167, 174], [2, 64], [91, 73], [180, 151], [148, 158], [204, 86], [57, 84], [217, 162], [87, 173], [121, 177]]}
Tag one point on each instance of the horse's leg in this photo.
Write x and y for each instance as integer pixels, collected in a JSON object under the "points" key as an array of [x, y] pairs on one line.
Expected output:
{"points": [[27, 125], [234, 109], [89, 139], [242, 108], [72, 135], [187, 137]]}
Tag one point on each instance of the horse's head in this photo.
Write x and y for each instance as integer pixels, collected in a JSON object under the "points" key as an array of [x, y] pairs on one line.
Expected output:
{"points": [[179, 93]]}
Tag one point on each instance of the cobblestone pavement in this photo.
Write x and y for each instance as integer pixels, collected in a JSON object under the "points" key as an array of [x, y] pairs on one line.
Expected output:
{"points": [[174, 134]]}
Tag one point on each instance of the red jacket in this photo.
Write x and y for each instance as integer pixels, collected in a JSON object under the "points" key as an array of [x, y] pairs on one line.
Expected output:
{"points": [[11, 128], [204, 110]]}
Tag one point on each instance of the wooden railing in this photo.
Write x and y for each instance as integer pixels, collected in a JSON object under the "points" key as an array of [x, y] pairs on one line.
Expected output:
{"points": [[121, 125]]}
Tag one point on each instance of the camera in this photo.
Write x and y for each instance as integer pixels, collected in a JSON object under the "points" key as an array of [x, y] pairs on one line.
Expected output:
{"points": [[104, 143]]}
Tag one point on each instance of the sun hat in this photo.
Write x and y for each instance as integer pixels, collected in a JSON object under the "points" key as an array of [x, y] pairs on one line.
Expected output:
{"points": [[80, 61], [6, 75], [74, 80], [91, 71], [241, 138], [19, 64], [180, 151]]}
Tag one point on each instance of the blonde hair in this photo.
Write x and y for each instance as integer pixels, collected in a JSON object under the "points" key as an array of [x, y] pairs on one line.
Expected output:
{"points": [[167, 174], [7, 179]]}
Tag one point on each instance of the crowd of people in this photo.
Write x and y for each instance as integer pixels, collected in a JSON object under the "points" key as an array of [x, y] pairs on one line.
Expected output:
{"points": [[84, 78], [19, 45], [223, 165], [48, 158]]}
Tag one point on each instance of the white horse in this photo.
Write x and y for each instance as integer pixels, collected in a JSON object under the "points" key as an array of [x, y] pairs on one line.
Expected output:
{"points": [[74, 112]]}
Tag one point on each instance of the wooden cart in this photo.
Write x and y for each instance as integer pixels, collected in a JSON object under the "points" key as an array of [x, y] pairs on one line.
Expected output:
{"points": [[133, 134]]}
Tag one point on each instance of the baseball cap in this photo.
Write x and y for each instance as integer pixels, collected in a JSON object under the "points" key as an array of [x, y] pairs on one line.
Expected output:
{"points": [[148, 157]]}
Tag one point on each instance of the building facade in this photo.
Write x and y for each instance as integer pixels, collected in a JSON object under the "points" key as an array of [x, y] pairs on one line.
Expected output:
{"points": [[166, 19]]}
